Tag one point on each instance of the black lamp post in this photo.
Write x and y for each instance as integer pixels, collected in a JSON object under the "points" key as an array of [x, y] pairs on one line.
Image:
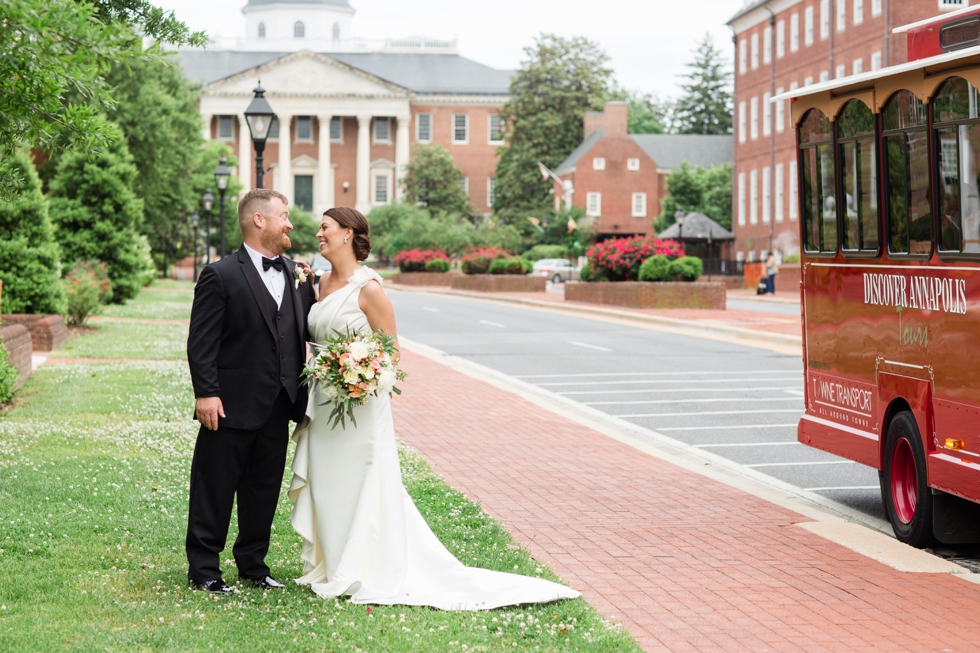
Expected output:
{"points": [[259, 116], [221, 175], [679, 217], [196, 220], [208, 202]]}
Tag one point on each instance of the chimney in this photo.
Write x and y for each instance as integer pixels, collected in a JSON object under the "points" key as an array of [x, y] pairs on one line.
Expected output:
{"points": [[613, 119]]}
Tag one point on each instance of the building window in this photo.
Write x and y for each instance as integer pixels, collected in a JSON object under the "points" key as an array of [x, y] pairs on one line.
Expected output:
{"points": [[841, 15], [946, 5], [858, 12], [741, 122], [464, 183], [781, 39], [767, 45], [461, 129], [739, 256], [299, 29], [766, 195], [639, 205], [423, 127], [598, 163], [794, 210], [381, 183], [793, 85], [261, 30], [593, 204], [875, 8], [743, 56], [766, 114], [841, 71], [495, 135], [876, 61], [632, 164], [751, 256], [824, 19], [741, 198], [808, 80], [858, 66], [808, 26], [226, 129], [824, 75], [336, 129], [303, 130], [382, 130], [754, 118], [780, 112], [273, 130], [779, 192], [303, 191], [755, 51], [794, 32], [754, 197], [336, 31], [491, 182]]}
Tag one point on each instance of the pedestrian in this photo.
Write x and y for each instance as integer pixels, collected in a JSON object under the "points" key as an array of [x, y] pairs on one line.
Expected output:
{"points": [[771, 270]]}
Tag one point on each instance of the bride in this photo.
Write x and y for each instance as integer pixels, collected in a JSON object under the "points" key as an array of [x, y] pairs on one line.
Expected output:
{"points": [[362, 535]]}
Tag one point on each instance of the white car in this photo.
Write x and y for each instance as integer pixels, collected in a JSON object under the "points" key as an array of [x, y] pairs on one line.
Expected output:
{"points": [[556, 269]]}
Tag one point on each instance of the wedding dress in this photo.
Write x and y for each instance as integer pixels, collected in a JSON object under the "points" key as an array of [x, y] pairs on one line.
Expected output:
{"points": [[362, 534]]}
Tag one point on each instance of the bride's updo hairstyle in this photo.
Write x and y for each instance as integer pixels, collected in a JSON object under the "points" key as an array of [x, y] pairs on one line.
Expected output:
{"points": [[353, 219]]}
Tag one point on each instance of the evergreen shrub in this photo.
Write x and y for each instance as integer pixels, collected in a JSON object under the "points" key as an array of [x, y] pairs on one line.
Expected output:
{"points": [[438, 265], [513, 265], [620, 258], [686, 268], [655, 268], [8, 377], [88, 288], [589, 273], [478, 261], [539, 252]]}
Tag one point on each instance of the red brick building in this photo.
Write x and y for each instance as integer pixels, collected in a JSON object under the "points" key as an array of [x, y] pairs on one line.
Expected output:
{"points": [[620, 178], [781, 45]]}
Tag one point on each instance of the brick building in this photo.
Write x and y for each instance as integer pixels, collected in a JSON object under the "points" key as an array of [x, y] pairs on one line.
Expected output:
{"points": [[348, 109], [781, 45], [620, 178]]}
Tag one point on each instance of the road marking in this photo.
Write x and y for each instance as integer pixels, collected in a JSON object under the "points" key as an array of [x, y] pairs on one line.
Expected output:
{"points": [[714, 412], [570, 376], [843, 487], [795, 377], [716, 400], [588, 346], [663, 390], [493, 324], [719, 428], [430, 309], [744, 444], [798, 393], [817, 462]]}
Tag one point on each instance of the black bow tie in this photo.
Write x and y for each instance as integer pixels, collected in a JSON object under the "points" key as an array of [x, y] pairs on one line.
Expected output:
{"points": [[272, 263]]}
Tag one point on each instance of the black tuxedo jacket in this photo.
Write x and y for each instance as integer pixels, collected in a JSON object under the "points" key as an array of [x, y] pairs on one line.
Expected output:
{"points": [[231, 346]]}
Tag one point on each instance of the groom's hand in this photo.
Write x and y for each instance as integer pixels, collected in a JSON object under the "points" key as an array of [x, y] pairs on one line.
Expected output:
{"points": [[209, 409]]}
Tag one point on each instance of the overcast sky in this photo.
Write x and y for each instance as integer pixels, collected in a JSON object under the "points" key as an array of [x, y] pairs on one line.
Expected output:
{"points": [[649, 41]]}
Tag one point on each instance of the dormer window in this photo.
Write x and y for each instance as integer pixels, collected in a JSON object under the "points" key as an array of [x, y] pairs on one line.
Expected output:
{"points": [[261, 30], [299, 30], [336, 31]]}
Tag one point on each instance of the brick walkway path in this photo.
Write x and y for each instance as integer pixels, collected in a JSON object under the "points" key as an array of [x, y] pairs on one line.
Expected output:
{"points": [[683, 562]]}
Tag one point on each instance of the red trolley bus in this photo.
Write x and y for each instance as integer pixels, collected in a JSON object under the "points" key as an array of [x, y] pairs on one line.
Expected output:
{"points": [[889, 179]]}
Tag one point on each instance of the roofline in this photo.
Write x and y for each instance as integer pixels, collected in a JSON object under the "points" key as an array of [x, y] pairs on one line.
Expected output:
{"points": [[935, 19]]}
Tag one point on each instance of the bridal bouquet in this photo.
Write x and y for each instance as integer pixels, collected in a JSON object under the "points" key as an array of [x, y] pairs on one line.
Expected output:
{"points": [[350, 367]]}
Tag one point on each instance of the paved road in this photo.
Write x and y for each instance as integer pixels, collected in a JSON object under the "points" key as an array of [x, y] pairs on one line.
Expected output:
{"points": [[740, 402]]}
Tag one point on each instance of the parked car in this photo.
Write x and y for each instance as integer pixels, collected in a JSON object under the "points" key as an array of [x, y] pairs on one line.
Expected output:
{"points": [[556, 269]]}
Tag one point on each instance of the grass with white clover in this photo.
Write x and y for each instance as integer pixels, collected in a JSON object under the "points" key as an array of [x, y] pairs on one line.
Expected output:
{"points": [[94, 462]]}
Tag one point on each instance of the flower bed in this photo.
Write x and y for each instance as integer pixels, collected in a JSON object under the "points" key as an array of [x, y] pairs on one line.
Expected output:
{"points": [[424, 278], [48, 332], [414, 260], [619, 259], [644, 294], [498, 283]]}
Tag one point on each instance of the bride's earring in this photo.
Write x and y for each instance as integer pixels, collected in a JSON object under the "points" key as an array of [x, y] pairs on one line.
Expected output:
{"points": [[346, 239]]}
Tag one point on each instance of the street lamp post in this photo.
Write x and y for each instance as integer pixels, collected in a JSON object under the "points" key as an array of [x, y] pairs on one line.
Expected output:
{"points": [[679, 218], [196, 220], [221, 175], [259, 116], [208, 201]]}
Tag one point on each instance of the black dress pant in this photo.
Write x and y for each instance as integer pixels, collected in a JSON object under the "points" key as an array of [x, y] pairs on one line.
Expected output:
{"points": [[243, 462]]}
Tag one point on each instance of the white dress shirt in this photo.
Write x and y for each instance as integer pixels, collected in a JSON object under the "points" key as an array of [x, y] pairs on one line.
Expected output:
{"points": [[274, 280]]}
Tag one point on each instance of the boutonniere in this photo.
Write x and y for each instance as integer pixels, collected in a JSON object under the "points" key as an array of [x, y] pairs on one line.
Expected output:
{"points": [[299, 274]]}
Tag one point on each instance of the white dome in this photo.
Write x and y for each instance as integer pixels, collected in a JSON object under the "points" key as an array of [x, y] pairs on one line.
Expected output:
{"points": [[291, 25]]}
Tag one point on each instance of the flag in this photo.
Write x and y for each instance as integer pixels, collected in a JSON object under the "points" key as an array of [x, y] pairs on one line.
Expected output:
{"points": [[544, 172], [571, 225]]}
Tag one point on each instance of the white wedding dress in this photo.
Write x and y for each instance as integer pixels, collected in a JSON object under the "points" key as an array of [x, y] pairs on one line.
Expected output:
{"points": [[362, 534]]}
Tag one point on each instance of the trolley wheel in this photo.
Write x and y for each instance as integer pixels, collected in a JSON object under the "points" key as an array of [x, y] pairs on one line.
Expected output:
{"points": [[904, 487], [556, 279]]}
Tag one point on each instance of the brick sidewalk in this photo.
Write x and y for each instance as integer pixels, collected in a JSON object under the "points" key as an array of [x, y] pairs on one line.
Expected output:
{"points": [[683, 562]]}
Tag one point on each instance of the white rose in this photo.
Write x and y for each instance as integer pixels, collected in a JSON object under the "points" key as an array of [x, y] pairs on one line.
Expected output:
{"points": [[330, 392], [386, 380], [358, 350], [351, 376], [367, 373]]}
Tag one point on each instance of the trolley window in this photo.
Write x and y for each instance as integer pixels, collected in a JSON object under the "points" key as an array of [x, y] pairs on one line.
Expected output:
{"points": [[957, 147], [859, 178], [906, 152], [818, 192]]}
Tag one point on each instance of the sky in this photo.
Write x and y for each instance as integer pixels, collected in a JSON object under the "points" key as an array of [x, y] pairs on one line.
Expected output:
{"points": [[648, 41]]}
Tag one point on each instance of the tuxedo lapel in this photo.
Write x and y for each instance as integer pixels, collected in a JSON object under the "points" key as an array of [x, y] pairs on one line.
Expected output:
{"points": [[297, 298], [258, 288]]}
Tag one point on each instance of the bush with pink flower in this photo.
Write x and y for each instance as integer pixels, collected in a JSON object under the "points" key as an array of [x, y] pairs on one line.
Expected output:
{"points": [[415, 260], [478, 261], [620, 259]]}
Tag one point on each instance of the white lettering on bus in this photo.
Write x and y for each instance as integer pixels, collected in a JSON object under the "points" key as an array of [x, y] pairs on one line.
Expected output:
{"points": [[842, 395], [916, 291]]}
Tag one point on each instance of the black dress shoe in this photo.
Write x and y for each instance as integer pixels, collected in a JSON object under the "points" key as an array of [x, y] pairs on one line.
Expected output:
{"points": [[264, 583], [215, 586]]}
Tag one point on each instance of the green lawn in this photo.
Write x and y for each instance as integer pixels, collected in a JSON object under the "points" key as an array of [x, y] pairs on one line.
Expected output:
{"points": [[165, 299], [94, 464]]}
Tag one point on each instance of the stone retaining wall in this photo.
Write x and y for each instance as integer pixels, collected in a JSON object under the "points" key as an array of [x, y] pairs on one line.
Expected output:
{"points": [[17, 341], [48, 332], [647, 294], [498, 283], [424, 278]]}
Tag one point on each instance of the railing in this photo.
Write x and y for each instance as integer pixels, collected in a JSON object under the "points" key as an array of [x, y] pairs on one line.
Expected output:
{"points": [[726, 267]]}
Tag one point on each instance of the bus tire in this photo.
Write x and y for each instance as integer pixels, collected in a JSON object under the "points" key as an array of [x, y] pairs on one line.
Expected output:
{"points": [[904, 485]]}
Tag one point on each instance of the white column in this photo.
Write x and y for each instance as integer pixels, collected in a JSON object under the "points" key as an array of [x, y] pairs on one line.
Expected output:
{"points": [[284, 167], [245, 162], [206, 126], [363, 203], [324, 191], [401, 152]]}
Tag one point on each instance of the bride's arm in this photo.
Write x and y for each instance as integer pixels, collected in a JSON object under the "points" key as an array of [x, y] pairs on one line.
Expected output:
{"points": [[380, 313]]}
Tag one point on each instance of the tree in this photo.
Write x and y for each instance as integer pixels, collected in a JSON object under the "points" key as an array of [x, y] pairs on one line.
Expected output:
{"points": [[402, 225], [303, 235], [97, 214], [432, 180], [707, 191], [705, 107], [648, 114], [53, 58], [28, 250], [207, 160], [560, 81]]}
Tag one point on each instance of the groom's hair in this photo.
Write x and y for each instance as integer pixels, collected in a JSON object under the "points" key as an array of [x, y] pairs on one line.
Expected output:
{"points": [[256, 201]]}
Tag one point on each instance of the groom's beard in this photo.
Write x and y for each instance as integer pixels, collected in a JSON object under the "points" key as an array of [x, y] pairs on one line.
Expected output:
{"points": [[276, 243]]}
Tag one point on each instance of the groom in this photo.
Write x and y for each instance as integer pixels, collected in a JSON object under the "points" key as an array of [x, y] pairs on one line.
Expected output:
{"points": [[246, 348]]}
